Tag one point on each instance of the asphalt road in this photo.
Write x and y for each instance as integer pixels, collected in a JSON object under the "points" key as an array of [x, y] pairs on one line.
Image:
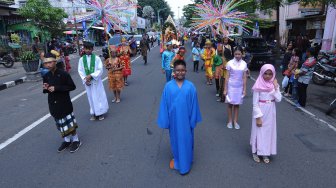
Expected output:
{"points": [[128, 149]]}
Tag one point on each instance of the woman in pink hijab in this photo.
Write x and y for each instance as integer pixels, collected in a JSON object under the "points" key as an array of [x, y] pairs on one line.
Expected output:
{"points": [[263, 135]]}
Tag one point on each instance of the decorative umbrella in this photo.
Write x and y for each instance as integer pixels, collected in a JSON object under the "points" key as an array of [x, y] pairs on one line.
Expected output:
{"points": [[220, 17]]}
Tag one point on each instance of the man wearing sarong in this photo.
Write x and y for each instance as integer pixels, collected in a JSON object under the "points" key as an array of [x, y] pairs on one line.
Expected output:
{"points": [[179, 112], [58, 84], [90, 69], [207, 56]]}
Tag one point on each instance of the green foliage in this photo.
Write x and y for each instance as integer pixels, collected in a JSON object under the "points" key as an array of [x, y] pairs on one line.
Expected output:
{"points": [[28, 56], [44, 16], [15, 38], [156, 5]]}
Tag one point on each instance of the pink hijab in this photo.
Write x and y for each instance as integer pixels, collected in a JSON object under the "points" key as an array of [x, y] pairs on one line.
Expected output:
{"points": [[261, 85]]}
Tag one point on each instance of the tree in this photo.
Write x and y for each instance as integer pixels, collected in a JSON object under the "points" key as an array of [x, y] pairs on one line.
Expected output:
{"points": [[147, 12], [156, 5], [43, 15]]}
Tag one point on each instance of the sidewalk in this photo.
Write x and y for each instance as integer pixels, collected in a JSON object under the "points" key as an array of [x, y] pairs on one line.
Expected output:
{"points": [[10, 77]]}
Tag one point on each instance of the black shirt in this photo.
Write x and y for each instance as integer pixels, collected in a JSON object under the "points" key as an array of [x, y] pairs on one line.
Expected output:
{"points": [[59, 101]]}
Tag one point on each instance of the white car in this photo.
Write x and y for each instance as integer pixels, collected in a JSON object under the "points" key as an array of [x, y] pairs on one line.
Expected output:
{"points": [[152, 34]]}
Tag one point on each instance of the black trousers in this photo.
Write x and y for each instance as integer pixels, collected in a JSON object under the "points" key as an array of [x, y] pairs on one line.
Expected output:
{"points": [[302, 93], [196, 63], [145, 59]]}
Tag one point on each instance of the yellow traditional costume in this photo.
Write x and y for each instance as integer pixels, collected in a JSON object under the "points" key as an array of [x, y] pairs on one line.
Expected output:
{"points": [[208, 55]]}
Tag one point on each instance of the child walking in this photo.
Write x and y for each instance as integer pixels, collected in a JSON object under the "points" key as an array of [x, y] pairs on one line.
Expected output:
{"points": [[235, 86], [196, 51], [179, 112], [263, 133], [58, 84]]}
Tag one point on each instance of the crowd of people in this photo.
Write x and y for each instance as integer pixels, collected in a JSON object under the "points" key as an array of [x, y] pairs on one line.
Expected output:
{"points": [[224, 63], [297, 68], [179, 109]]}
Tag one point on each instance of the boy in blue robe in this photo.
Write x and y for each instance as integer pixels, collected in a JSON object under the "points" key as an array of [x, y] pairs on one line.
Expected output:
{"points": [[179, 112]]}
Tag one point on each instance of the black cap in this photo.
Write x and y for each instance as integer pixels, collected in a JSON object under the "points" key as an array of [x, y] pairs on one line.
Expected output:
{"points": [[88, 44]]}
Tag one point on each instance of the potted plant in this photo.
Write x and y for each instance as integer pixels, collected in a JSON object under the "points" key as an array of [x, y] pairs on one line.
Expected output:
{"points": [[30, 61]]}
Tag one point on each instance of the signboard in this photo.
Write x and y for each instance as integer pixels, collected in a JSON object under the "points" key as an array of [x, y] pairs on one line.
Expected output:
{"points": [[141, 23]]}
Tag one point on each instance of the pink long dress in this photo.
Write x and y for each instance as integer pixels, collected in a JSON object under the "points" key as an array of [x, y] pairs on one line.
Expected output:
{"points": [[236, 70], [264, 139]]}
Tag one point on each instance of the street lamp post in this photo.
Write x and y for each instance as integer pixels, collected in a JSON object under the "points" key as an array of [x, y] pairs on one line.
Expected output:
{"points": [[158, 12]]}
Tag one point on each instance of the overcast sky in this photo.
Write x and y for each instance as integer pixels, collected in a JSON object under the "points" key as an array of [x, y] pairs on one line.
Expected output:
{"points": [[174, 4]]}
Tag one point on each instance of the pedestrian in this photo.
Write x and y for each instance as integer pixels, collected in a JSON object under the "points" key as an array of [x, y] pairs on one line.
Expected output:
{"points": [[196, 51], [287, 58], [124, 53], [58, 84], [218, 68], [304, 76], [226, 57], [167, 57], [179, 112], [144, 48], [178, 56], [90, 69], [207, 56], [235, 86], [263, 133], [115, 74], [290, 72], [66, 60], [152, 41]]}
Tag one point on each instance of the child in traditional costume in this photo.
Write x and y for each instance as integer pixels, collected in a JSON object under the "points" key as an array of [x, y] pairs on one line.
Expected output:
{"points": [[124, 54], [115, 74], [208, 55], [264, 134], [90, 69], [235, 86], [58, 84], [179, 112], [167, 57]]}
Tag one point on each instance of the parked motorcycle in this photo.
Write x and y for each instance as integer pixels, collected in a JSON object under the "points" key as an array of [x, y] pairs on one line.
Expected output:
{"points": [[6, 59], [324, 73]]}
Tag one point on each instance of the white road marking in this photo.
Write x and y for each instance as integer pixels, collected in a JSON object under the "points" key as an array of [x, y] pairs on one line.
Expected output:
{"points": [[312, 115], [42, 119]]}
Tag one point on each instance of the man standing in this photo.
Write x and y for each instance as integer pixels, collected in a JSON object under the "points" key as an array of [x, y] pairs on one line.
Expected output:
{"points": [[90, 69], [167, 57], [144, 46], [58, 84], [179, 112]]}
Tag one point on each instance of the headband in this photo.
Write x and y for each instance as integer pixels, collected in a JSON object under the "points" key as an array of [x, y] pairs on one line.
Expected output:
{"points": [[49, 59]]}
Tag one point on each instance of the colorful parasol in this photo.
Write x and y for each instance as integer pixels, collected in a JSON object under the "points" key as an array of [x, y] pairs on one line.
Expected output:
{"points": [[221, 18]]}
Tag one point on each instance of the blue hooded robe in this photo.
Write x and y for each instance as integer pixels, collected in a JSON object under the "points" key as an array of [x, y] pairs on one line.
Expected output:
{"points": [[179, 112]]}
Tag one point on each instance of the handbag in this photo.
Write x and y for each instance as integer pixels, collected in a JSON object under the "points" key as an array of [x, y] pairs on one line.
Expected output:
{"points": [[285, 82]]}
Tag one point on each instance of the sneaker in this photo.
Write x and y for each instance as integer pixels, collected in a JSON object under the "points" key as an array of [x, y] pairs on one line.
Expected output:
{"points": [[101, 118], [217, 95], [229, 125], [75, 146], [93, 118], [64, 146], [236, 126]]}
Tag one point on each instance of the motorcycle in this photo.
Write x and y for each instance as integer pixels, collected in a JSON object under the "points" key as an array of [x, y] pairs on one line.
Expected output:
{"points": [[7, 59], [324, 73]]}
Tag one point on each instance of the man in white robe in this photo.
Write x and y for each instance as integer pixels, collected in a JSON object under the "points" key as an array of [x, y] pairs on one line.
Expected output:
{"points": [[90, 69]]}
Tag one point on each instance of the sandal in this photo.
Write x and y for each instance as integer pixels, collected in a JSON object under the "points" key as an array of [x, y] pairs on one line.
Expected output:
{"points": [[114, 100], [171, 164], [266, 159], [256, 158], [118, 101]]}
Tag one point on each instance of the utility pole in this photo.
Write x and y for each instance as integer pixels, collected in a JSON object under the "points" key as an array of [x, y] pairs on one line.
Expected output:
{"points": [[73, 13]]}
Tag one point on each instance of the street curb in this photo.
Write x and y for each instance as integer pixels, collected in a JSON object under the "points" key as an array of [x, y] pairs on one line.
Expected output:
{"points": [[13, 83]]}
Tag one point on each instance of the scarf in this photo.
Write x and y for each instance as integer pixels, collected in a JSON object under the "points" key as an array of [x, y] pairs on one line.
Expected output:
{"points": [[92, 64], [262, 85]]}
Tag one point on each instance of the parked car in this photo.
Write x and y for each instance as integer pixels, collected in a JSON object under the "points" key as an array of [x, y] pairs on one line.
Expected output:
{"points": [[114, 40], [257, 48]]}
